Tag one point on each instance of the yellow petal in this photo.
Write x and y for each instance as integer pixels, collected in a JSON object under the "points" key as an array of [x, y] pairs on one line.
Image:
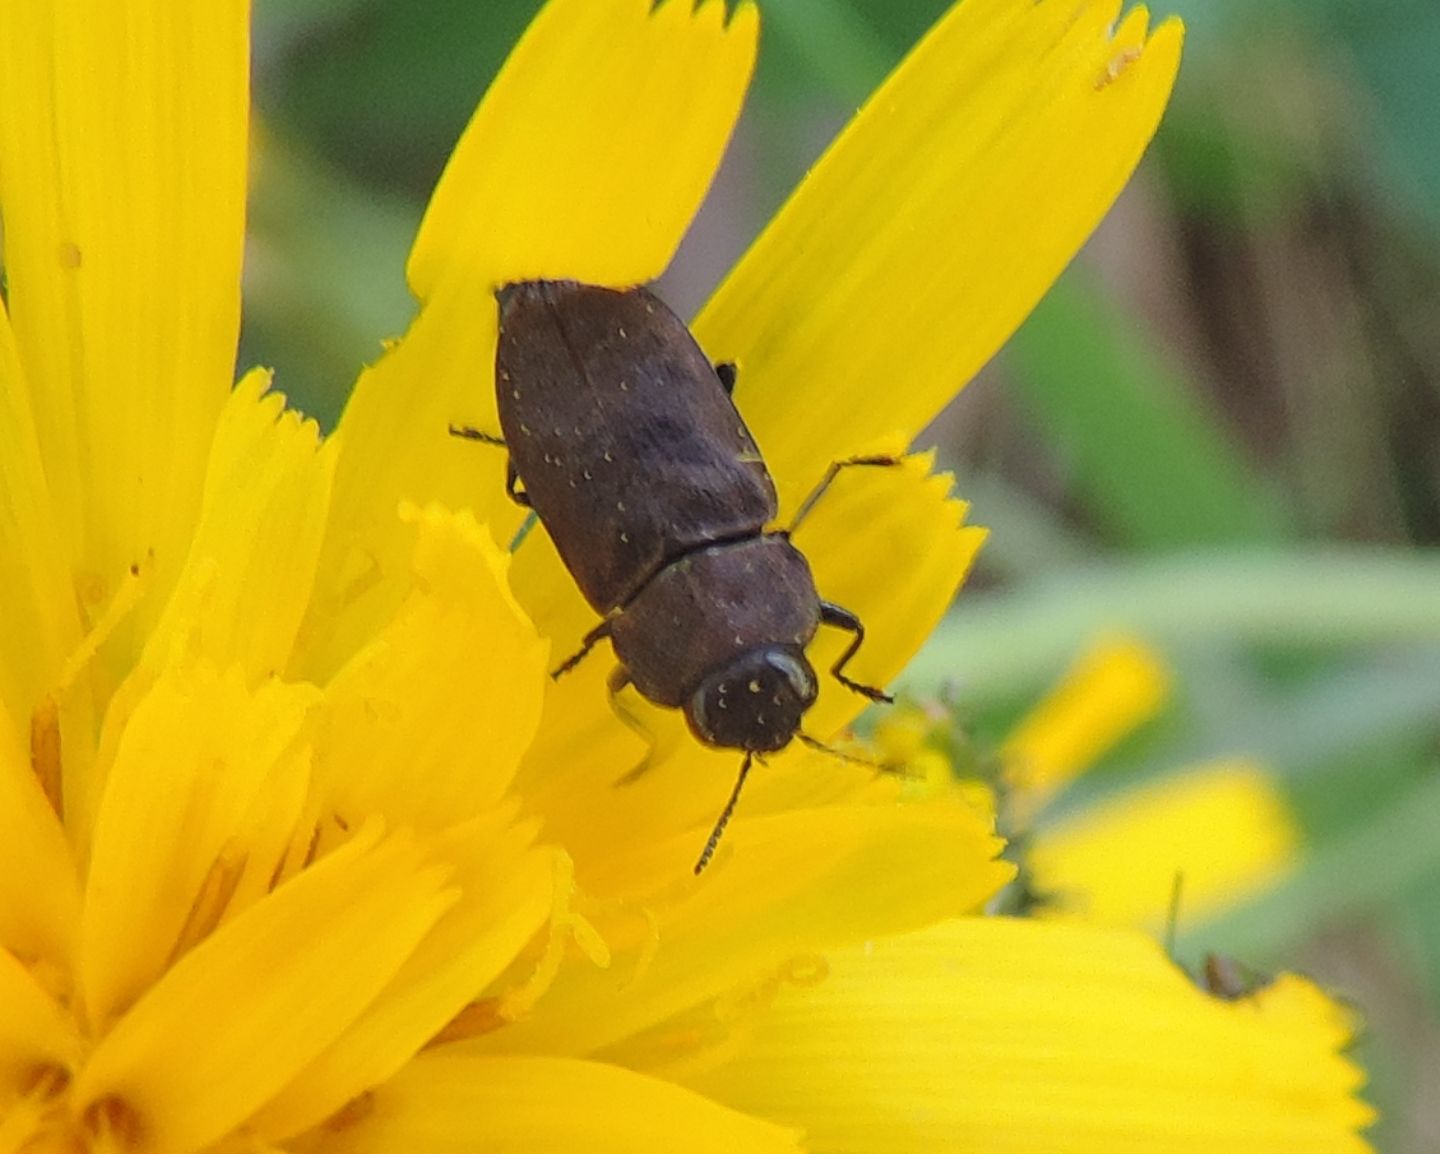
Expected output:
{"points": [[783, 883], [242, 1013], [627, 103], [196, 754], [275, 836], [442, 1103], [122, 179], [428, 722], [593, 147], [506, 892], [395, 446], [934, 224], [35, 1030], [991, 1034], [1114, 687], [39, 890], [41, 628], [251, 563], [1223, 830]]}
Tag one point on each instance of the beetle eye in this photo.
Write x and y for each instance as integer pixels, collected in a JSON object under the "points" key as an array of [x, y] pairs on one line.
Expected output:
{"points": [[801, 680]]}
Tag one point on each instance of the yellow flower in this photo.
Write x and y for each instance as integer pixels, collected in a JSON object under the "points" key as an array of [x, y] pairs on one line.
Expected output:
{"points": [[302, 850], [1219, 830]]}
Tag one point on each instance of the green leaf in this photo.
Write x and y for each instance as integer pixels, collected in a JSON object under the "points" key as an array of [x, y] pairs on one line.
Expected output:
{"points": [[1144, 453], [1000, 642]]}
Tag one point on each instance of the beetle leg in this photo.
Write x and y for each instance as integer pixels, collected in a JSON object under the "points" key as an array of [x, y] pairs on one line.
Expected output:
{"points": [[519, 496], [619, 678], [472, 434], [469, 433], [594, 637], [727, 373], [828, 479], [832, 614]]}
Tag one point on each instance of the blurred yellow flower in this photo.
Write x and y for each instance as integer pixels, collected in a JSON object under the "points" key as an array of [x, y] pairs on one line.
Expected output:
{"points": [[1219, 831], [300, 847]]}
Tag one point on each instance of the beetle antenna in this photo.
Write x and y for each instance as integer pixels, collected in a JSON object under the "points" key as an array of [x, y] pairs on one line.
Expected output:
{"points": [[715, 834], [850, 758]]}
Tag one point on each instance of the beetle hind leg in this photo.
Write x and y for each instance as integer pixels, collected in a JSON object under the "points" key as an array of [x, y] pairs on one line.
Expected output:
{"points": [[841, 618]]}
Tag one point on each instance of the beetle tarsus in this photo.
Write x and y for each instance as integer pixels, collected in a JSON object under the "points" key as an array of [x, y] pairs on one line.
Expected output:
{"points": [[842, 618], [468, 433]]}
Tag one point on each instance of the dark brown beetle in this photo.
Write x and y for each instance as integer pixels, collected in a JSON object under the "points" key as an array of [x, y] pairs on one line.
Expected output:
{"points": [[630, 450]]}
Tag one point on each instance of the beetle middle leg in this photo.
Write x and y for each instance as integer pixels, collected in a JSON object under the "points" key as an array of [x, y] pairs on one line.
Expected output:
{"points": [[591, 639], [512, 478], [887, 460], [840, 618]]}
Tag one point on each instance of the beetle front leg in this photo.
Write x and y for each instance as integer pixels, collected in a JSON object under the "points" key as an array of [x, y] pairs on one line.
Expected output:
{"points": [[619, 678], [832, 614], [593, 638]]}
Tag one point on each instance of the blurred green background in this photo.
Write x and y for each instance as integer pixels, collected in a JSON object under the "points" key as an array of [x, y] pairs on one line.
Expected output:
{"points": [[1221, 429]]}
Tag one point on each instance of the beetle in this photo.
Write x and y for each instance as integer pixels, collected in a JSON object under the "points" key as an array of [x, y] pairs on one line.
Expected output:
{"points": [[624, 440]]}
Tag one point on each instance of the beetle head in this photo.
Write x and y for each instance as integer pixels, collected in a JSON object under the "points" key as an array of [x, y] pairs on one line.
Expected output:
{"points": [[755, 703]]}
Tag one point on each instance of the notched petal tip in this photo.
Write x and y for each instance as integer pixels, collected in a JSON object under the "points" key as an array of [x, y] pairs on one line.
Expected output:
{"points": [[728, 16], [1133, 43], [634, 102], [940, 194]]}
